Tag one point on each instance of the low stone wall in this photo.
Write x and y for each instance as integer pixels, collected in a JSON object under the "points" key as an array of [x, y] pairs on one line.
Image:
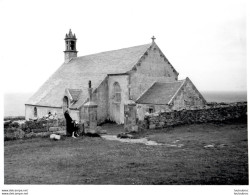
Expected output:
{"points": [[42, 125], [33, 128], [212, 113]]}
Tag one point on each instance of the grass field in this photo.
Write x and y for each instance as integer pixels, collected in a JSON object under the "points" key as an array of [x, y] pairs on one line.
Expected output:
{"points": [[88, 160]]}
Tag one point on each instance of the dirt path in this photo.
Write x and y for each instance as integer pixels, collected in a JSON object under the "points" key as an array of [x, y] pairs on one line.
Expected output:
{"points": [[139, 141]]}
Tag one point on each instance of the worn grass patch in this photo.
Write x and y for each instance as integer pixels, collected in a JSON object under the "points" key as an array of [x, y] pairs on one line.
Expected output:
{"points": [[97, 161]]}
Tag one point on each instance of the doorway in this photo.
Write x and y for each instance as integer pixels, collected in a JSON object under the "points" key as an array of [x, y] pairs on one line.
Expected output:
{"points": [[65, 103]]}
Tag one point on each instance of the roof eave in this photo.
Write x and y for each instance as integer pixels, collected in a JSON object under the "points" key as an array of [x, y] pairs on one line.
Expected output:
{"points": [[42, 106], [118, 74]]}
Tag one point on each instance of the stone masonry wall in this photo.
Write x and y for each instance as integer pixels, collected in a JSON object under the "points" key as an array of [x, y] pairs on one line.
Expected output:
{"points": [[188, 98], [217, 113], [100, 97], [153, 67], [69, 55], [142, 109]]}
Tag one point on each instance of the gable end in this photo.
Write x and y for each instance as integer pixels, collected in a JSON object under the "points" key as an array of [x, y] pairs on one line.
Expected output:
{"points": [[145, 55], [181, 92]]}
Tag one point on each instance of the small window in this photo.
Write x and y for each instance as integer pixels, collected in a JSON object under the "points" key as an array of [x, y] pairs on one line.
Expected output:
{"points": [[151, 110], [35, 112]]}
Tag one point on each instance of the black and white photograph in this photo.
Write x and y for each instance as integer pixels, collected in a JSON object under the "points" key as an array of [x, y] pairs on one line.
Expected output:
{"points": [[124, 97]]}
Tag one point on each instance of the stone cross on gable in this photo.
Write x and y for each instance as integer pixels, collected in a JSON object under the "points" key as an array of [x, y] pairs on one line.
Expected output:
{"points": [[153, 38]]}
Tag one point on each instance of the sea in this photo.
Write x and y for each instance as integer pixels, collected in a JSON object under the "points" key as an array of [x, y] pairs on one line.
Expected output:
{"points": [[14, 102]]}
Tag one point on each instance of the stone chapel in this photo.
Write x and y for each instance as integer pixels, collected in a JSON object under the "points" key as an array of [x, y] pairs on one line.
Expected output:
{"points": [[140, 74]]}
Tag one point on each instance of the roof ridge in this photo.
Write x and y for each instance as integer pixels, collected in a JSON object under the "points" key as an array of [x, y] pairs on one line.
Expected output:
{"points": [[113, 50], [179, 81]]}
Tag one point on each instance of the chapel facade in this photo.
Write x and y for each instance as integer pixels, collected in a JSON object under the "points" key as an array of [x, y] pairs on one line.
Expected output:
{"points": [[141, 74]]}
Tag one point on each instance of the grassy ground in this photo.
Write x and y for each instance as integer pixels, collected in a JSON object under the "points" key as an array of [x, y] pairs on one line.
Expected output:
{"points": [[97, 161]]}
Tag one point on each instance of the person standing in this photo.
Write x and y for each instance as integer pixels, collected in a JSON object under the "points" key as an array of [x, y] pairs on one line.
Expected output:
{"points": [[69, 124]]}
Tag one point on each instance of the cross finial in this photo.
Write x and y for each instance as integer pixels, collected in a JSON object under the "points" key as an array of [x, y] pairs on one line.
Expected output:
{"points": [[153, 38]]}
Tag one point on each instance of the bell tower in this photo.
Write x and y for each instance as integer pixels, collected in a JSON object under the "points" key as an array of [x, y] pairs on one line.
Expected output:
{"points": [[70, 47]]}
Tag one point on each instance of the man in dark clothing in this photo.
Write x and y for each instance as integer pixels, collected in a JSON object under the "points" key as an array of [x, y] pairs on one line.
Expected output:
{"points": [[69, 124]]}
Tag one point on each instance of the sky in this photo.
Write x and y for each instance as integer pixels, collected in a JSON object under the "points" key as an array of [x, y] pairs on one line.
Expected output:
{"points": [[204, 40]]}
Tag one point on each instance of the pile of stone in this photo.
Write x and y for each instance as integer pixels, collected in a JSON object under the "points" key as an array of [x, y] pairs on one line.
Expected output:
{"points": [[13, 134]]}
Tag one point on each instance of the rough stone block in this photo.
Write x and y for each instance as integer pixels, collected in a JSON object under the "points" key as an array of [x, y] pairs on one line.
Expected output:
{"points": [[42, 134], [99, 130], [55, 137], [161, 124], [102, 132], [53, 129], [135, 128], [93, 131], [30, 135]]}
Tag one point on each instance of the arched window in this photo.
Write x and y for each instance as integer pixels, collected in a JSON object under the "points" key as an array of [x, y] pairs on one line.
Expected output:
{"points": [[117, 92], [65, 102], [35, 112]]}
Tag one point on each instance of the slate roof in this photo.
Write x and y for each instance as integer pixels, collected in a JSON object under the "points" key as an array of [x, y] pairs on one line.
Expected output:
{"points": [[74, 93], [77, 72], [160, 93]]}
